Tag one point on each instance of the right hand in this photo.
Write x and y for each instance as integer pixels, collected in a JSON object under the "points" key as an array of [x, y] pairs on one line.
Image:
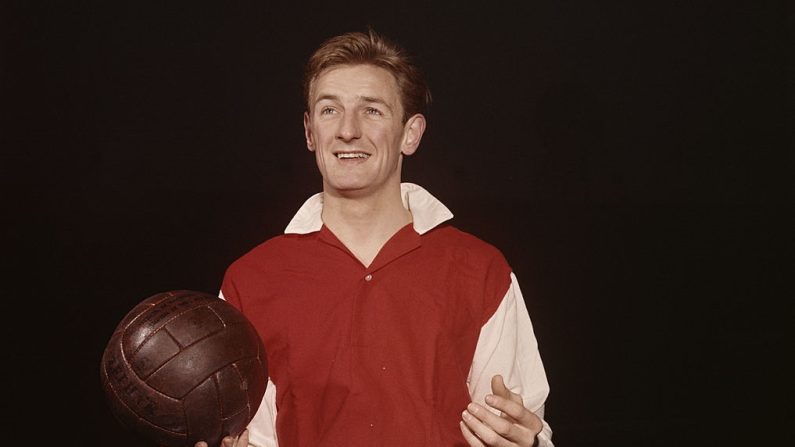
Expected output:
{"points": [[515, 426], [229, 441]]}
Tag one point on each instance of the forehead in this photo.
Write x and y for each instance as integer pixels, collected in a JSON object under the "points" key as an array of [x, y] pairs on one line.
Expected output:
{"points": [[356, 81]]}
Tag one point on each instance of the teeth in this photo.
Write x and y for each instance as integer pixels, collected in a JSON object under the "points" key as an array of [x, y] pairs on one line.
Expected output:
{"points": [[344, 155]]}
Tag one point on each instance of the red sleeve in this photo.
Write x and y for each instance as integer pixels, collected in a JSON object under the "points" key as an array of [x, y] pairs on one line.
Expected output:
{"points": [[497, 280], [229, 290]]}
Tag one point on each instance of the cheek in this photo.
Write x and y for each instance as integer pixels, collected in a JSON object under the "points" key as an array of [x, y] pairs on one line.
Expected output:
{"points": [[320, 161], [383, 135]]}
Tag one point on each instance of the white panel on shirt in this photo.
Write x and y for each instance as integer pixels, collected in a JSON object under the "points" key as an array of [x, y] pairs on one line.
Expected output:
{"points": [[507, 346]]}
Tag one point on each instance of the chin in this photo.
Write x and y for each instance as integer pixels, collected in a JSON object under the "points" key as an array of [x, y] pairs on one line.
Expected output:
{"points": [[349, 182], [352, 185], [346, 187]]}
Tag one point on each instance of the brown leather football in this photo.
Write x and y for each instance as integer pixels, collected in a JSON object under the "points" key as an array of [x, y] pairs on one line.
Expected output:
{"points": [[182, 367]]}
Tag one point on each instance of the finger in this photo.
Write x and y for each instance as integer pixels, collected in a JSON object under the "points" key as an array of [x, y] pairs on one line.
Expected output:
{"points": [[508, 407], [516, 412], [200, 444], [242, 440], [470, 437], [511, 412], [492, 429]]}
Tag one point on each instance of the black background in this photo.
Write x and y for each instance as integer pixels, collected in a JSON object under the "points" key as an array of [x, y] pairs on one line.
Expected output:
{"points": [[633, 161]]}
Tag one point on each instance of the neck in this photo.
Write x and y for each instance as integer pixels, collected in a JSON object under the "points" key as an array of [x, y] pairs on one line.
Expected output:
{"points": [[364, 224]]}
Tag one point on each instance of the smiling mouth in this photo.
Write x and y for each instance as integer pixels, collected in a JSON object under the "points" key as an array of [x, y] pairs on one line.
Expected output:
{"points": [[352, 155]]}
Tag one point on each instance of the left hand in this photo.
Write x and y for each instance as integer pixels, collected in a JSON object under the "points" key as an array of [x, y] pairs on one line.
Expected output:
{"points": [[230, 441], [516, 426]]}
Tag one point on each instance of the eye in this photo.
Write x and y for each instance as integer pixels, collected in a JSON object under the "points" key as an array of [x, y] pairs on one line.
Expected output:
{"points": [[373, 111], [327, 110]]}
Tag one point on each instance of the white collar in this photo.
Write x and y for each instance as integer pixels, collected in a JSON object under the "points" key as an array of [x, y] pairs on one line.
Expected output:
{"points": [[426, 210]]}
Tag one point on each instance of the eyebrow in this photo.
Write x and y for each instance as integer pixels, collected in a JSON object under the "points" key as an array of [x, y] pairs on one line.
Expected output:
{"points": [[376, 101], [367, 99]]}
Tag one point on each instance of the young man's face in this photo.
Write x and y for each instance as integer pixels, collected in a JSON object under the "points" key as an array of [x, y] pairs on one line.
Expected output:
{"points": [[355, 128]]}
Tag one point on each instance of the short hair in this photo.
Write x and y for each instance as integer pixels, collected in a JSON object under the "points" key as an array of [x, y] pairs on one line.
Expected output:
{"points": [[358, 48]]}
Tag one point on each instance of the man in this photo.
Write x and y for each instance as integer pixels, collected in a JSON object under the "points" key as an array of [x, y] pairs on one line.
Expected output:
{"points": [[383, 325]]}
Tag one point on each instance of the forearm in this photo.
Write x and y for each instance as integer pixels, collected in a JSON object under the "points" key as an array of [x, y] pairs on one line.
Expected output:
{"points": [[507, 346]]}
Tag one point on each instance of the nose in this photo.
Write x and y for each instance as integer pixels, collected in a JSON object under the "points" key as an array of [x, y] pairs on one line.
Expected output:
{"points": [[349, 128]]}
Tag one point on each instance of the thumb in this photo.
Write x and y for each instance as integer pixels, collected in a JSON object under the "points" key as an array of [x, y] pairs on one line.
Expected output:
{"points": [[498, 387]]}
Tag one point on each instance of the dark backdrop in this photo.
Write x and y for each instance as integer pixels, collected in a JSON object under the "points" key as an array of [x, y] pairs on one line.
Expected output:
{"points": [[633, 160]]}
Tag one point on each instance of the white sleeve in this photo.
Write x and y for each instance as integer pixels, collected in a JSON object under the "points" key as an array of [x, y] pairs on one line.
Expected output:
{"points": [[507, 346], [262, 428]]}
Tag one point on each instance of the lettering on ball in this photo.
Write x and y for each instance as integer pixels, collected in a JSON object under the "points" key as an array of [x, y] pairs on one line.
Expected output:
{"points": [[116, 372]]}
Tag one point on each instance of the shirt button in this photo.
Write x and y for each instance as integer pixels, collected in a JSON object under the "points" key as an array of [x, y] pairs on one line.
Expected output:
{"points": [[368, 277], [383, 368], [372, 425]]}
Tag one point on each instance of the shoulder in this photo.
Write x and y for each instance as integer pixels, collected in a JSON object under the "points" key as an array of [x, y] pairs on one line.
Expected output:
{"points": [[274, 251], [479, 268], [470, 256], [464, 246]]}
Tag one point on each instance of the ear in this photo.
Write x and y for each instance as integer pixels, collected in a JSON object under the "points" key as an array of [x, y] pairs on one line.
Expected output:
{"points": [[310, 143], [412, 134]]}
